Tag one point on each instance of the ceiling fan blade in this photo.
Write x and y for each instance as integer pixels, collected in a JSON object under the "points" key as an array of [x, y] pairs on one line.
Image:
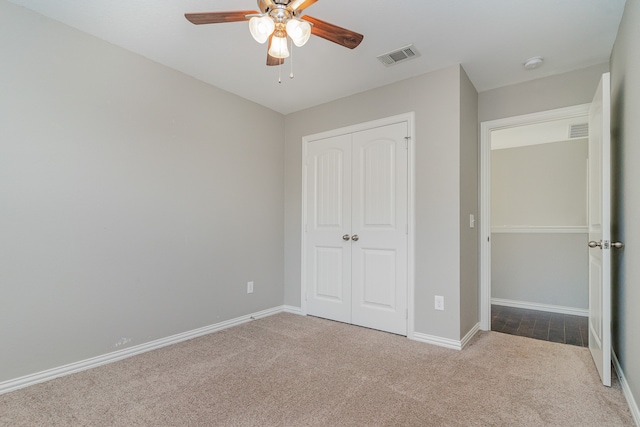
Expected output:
{"points": [[272, 60], [219, 17], [299, 5], [341, 36]]}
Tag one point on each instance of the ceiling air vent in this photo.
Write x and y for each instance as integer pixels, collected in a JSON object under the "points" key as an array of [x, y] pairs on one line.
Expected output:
{"points": [[579, 131], [399, 55]]}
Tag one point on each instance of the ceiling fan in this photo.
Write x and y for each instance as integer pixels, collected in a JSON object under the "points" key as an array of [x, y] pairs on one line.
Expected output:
{"points": [[278, 19]]}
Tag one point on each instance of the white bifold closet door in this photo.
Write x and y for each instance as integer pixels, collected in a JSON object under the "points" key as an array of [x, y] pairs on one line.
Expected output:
{"points": [[356, 228]]}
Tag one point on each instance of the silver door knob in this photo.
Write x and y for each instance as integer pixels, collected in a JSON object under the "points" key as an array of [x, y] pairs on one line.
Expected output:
{"points": [[355, 238], [594, 244], [617, 245], [345, 237]]}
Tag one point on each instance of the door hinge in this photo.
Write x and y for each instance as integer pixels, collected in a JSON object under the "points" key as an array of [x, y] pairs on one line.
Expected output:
{"points": [[406, 142]]}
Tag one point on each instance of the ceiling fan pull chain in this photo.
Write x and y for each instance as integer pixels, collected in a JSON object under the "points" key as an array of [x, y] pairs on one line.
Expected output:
{"points": [[279, 72], [291, 49]]}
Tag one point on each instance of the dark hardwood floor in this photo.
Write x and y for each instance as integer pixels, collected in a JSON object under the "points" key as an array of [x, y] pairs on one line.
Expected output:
{"points": [[541, 325]]}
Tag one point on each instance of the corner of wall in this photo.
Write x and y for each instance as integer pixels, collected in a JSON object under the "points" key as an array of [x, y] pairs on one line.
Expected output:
{"points": [[469, 208]]}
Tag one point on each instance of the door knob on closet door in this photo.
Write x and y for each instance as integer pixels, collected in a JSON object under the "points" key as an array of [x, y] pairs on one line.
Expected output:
{"points": [[594, 244], [355, 238], [345, 237]]}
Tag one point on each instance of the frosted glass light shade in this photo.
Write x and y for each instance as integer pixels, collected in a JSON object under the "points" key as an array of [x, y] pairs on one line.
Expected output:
{"points": [[279, 47], [261, 28], [299, 31]]}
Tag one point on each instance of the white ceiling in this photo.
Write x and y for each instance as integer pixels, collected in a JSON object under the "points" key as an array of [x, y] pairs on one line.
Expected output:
{"points": [[490, 38]]}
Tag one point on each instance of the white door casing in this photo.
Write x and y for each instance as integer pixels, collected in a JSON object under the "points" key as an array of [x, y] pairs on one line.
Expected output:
{"points": [[357, 185], [600, 230]]}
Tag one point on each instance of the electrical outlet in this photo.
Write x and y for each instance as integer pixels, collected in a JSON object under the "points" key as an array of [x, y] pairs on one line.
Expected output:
{"points": [[249, 287], [439, 303]]}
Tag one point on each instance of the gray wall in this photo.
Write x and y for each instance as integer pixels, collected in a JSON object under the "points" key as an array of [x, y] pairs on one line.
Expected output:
{"points": [[546, 268], [436, 99], [135, 202], [625, 90], [542, 185], [558, 91], [469, 205]]}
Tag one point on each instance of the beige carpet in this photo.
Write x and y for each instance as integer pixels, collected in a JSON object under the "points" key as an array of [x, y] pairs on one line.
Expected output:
{"points": [[288, 370]]}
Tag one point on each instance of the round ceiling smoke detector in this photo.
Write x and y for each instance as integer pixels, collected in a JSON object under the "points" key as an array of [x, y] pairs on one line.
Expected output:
{"points": [[532, 63]]}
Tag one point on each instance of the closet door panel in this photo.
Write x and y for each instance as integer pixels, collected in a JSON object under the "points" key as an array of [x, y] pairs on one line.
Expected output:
{"points": [[328, 215], [379, 220]]}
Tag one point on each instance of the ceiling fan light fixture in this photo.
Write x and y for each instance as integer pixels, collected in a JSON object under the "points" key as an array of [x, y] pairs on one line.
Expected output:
{"points": [[299, 31], [261, 27], [279, 47]]}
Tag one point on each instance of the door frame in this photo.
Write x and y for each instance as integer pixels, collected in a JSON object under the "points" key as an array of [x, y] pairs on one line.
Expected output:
{"points": [[409, 118], [485, 190]]}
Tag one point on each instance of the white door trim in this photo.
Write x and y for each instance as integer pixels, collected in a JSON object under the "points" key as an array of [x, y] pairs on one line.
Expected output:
{"points": [[409, 118], [485, 191]]}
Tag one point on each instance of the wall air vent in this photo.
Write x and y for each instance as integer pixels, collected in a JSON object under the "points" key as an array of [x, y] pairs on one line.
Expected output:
{"points": [[399, 55], [579, 131]]}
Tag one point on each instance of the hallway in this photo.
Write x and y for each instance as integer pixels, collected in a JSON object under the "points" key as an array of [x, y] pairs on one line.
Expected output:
{"points": [[541, 325]]}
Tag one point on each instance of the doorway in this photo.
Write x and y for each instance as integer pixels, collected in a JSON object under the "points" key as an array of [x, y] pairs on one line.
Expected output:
{"points": [[357, 261], [536, 239]]}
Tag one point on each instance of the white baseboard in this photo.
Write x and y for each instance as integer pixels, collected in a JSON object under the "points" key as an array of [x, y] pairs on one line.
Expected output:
{"points": [[447, 342], [633, 406], [439, 341], [293, 310], [83, 365], [470, 334], [541, 307]]}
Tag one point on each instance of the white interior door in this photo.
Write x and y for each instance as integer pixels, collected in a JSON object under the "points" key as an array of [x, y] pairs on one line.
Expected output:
{"points": [[328, 229], [379, 219], [600, 231], [356, 228]]}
